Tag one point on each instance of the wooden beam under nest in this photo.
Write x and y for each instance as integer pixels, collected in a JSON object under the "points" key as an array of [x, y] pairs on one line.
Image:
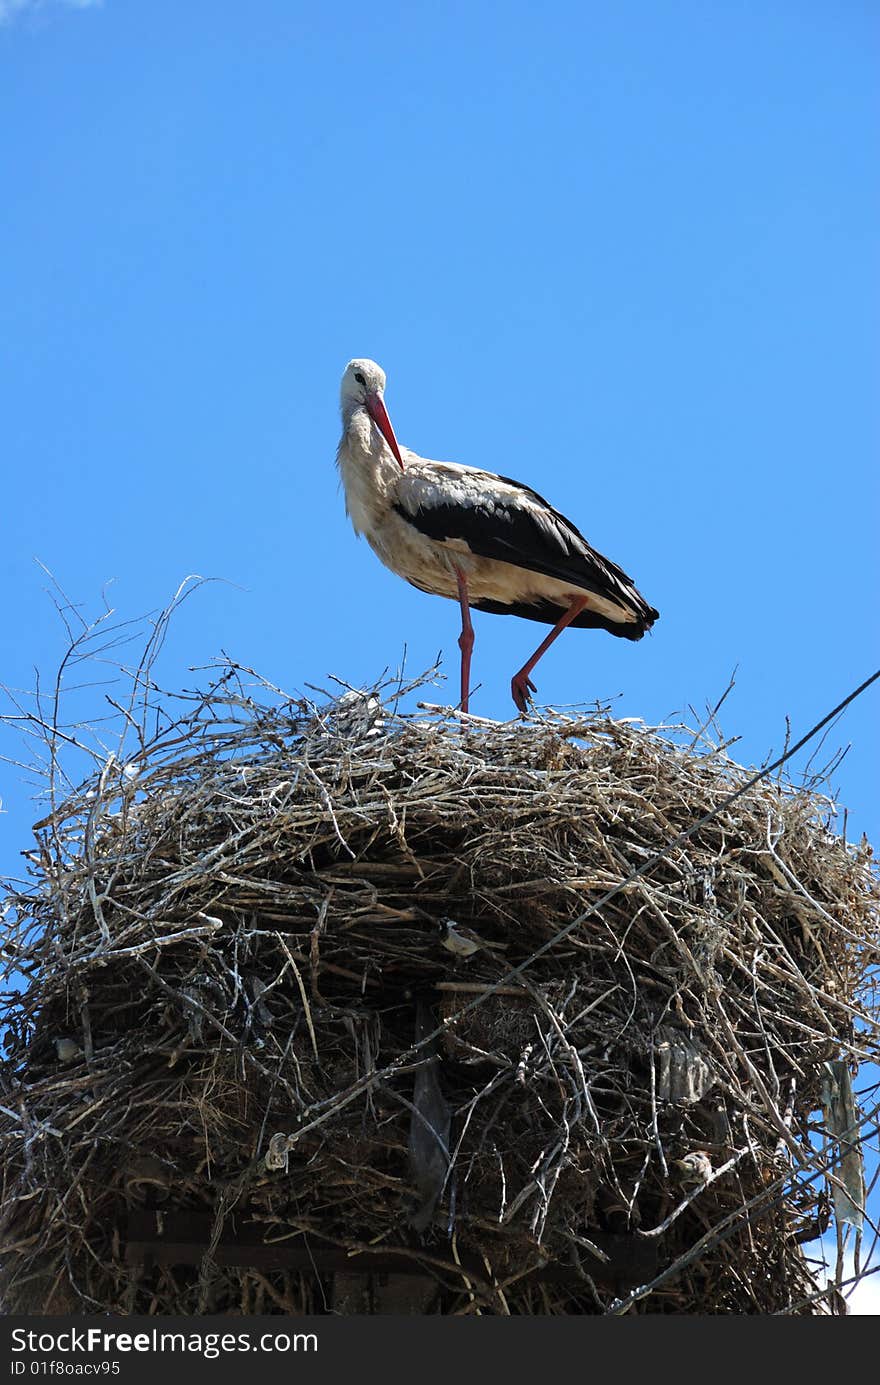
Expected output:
{"points": [[182, 1238]]}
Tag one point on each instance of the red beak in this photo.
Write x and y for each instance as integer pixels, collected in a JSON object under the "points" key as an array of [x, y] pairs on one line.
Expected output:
{"points": [[379, 414]]}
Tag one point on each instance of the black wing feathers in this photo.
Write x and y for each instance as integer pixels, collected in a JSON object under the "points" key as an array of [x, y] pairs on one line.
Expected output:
{"points": [[547, 614], [537, 537]]}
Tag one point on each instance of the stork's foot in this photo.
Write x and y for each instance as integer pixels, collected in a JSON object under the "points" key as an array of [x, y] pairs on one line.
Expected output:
{"points": [[522, 687]]}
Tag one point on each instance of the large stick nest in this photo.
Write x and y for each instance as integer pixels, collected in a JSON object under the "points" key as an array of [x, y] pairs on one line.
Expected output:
{"points": [[233, 961]]}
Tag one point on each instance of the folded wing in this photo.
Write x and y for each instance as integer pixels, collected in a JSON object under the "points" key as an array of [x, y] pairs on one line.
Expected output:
{"points": [[500, 519]]}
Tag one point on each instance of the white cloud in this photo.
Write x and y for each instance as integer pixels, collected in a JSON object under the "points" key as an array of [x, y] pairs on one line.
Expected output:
{"points": [[10, 8], [863, 1297]]}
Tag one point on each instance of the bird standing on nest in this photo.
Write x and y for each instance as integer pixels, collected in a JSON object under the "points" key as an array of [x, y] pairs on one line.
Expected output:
{"points": [[489, 542], [695, 1169], [462, 941]]}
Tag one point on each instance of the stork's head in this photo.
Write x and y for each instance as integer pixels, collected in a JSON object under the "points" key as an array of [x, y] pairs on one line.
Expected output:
{"points": [[363, 384]]}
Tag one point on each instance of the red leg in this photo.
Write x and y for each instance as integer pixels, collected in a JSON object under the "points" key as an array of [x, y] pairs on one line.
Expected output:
{"points": [[520, 684], [466, 638]]}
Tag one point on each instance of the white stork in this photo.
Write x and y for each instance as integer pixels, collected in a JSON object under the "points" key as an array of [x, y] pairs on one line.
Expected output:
{"points": [[471, 535]]}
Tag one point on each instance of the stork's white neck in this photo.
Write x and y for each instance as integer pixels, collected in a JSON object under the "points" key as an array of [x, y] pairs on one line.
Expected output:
{"points": [[349, 407], [369, 470], [359, 432]]}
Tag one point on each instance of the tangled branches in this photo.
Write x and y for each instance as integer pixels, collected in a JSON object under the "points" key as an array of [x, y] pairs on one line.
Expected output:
{"points": [[239, 1017]]}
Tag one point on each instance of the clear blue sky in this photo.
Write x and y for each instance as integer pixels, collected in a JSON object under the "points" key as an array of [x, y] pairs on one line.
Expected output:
{"points": [[627, 253], [629, 257]]}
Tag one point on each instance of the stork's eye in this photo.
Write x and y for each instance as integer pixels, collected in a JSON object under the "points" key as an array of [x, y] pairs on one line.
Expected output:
{"points": [[360, 379]]}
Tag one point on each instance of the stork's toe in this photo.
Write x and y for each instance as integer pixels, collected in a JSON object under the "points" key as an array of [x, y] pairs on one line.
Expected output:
{"points": [[521, 688]]}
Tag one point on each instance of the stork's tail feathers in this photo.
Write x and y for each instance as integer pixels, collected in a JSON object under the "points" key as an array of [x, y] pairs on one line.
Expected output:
{"points": [[627, 630], [548, 614]]}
